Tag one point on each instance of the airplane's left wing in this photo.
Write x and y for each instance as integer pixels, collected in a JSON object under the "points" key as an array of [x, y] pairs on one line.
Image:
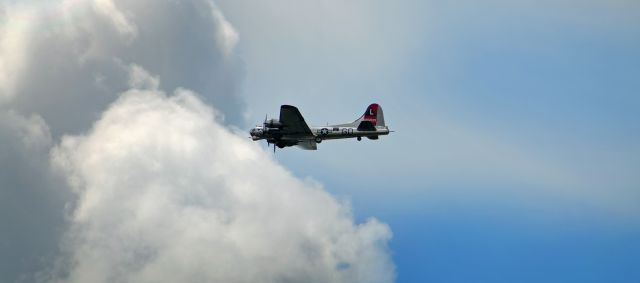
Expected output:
{"points": [[293, 123]]}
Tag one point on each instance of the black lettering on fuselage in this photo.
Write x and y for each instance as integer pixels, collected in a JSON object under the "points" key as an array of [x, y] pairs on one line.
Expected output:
{"points": [[347, 131]]}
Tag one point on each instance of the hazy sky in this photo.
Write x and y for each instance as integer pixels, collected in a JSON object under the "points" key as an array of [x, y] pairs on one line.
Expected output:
{"points": [[124, 154]]}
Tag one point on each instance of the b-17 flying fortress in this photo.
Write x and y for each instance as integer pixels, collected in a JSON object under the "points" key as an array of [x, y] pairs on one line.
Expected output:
{"points": [[291, 129]]}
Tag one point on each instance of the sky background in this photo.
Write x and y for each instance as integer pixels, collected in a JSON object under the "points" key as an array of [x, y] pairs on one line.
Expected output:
{"points": [[515, 156]]}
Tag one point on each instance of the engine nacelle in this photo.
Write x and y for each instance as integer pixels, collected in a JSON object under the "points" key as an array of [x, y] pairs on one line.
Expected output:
{"points": [[257, 133], [271, 130], [272, 123]]}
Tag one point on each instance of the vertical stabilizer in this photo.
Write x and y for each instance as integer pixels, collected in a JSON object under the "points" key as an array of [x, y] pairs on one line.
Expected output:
{"points": [[371, 118]]}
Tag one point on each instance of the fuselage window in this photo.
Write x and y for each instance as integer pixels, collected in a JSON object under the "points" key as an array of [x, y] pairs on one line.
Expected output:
{"points": [[336, 129]]}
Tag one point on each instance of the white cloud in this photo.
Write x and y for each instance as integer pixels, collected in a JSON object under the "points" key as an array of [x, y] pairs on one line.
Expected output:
{"points": [[32, 132], [66, 59], [108, 9], [167, 194], [14, 31], [141, 79], [226, 34]]}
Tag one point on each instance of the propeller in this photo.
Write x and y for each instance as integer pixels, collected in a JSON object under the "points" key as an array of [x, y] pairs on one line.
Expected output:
{"points": [[264, 128]]}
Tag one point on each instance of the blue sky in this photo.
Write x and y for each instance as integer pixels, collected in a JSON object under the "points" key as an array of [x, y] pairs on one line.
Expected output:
{"points": [[517, 148]]}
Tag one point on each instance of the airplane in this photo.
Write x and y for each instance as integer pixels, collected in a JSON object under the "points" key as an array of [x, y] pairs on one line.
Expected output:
{"points": [[292, 130]]}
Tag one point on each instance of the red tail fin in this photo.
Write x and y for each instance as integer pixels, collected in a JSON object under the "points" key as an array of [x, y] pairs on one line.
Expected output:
{"points": [[371, 114], [372, 118]]}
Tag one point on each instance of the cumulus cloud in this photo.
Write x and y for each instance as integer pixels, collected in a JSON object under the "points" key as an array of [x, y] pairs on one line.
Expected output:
{"points": [[107, 9], [75, 55], [151, 188], [61, 64], [12, 47], [167, 194]]}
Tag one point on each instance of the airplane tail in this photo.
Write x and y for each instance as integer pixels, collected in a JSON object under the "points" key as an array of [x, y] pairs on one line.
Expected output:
{"points": [[372, 118]]}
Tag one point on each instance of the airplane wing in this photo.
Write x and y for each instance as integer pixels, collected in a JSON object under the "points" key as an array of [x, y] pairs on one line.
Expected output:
{"points": [[293, 123]]}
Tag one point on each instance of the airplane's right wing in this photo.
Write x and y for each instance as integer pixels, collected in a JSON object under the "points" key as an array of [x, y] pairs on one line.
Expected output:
{"points": [[293, 123]]}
